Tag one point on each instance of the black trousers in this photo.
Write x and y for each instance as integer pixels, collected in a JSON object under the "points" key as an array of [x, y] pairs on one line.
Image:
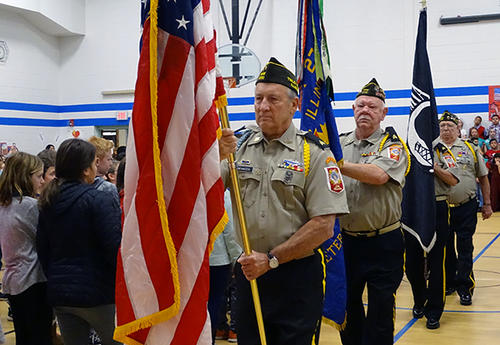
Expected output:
{"points": [[219, 278], [292, 304], [463, 221], [375, 262], [430, 295], [32, 316]]}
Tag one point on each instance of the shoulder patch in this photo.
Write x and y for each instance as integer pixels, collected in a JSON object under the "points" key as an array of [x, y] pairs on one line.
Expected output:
{"points": [[244, 137], [395, 151], [393, 136], [314, 139], [441, 148]]}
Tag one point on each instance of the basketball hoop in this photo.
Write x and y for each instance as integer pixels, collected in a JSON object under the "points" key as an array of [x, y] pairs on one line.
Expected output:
{"points": [[229, 83]]}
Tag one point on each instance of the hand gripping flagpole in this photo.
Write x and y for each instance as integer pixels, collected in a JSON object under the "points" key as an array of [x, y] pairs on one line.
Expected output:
{"points": [[243, 225]]}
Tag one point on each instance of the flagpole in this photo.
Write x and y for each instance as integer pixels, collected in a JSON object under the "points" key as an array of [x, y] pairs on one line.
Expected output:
{"points": [[243, 226]]}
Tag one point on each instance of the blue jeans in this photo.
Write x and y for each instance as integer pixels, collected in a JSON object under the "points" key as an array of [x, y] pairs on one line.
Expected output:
{"points": [[75, 323]]}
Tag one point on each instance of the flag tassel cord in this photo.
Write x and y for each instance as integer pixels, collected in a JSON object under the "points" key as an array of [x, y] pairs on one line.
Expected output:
{"points": [[221, 105]]}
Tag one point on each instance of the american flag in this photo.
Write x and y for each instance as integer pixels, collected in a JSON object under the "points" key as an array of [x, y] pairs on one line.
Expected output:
{"points": [[163, 274]]}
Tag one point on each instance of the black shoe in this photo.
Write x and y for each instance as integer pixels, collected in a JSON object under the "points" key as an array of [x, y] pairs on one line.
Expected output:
{"points": [[418, 312], [465, 298], [450, 290], [432, 323]]}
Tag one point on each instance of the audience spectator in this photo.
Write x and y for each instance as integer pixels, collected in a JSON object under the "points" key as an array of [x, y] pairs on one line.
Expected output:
{"points": [[224, 254], [491, 135], [23, 281], [48, 158], [77, 241], [477, 125], [104, 153], [494, 168], [495, 125], [120, 153], [50, 147], [111, 174], [494, 148], [462, 133]]}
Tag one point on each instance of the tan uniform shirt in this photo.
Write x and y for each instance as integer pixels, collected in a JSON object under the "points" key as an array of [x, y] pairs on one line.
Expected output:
{"points": [[278, 197], [446, 161], [468, 171], [374, 207]]}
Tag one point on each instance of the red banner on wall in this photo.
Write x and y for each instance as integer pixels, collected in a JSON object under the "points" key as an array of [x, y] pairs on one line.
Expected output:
{"points": [[494, 100]]}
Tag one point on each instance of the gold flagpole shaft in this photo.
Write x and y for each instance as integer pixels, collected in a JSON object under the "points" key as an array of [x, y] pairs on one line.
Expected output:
{"points": [[243, 226]]}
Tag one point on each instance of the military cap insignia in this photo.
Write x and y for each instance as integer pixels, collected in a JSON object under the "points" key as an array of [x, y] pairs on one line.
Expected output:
{"points": [[334, 179], [447, 116], [395, 152], [276, 72], [372, 89]]}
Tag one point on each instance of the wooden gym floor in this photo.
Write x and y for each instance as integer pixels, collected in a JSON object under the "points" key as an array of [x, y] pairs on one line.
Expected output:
{"points": [[478, 324]]}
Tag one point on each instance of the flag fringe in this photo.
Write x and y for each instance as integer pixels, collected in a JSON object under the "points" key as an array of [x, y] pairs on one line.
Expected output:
{"points": [[218, 229], [122, 332], [221, 101], [339, 327]]}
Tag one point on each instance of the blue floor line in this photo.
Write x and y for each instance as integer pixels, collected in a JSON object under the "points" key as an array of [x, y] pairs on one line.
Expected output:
{"points": [[404, 329], [460, 311], [487, 246], [412, 321]]}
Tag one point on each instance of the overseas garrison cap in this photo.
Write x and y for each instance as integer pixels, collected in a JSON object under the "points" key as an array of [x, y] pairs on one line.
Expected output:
{"points": [[372, 89], [276, 72], [447, 116]]}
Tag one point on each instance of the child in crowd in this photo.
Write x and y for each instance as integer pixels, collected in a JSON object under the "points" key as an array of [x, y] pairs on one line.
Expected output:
{"points": [[24, 281], [477, 125], [488, 155]]}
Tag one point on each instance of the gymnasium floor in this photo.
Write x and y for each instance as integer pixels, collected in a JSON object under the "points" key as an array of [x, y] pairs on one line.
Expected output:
{"points": [[478, 324]]}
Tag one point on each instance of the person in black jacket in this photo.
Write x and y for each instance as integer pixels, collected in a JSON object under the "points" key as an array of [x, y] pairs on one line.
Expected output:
{"points": [[77, 241]]}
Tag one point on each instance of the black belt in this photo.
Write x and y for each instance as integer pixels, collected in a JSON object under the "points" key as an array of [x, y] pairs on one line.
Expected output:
{"points": [[372, 233]]}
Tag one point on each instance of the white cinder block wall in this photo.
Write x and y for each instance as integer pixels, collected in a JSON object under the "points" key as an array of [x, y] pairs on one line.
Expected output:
{"points": [[59, 74]]}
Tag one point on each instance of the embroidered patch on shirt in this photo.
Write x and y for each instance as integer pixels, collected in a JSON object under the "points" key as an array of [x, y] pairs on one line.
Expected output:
{"points": [[330, 160], [334, 179], [449, 161], [244, 168], [395, 152]]}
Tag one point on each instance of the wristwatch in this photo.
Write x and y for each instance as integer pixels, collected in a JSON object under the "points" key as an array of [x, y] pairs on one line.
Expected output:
{"points": [[273, 260]]}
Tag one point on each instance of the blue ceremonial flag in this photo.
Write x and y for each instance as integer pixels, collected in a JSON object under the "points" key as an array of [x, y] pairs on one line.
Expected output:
{"points": [[316, 93], [419, 207]]}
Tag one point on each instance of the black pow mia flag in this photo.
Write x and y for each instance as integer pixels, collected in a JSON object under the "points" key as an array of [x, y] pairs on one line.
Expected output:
{"points": [[419, 206]]}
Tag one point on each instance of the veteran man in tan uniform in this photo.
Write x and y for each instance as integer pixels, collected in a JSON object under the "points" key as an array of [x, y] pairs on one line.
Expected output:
{"points": [[292, 190], [429, 297], [463, 204], [375, 162]]}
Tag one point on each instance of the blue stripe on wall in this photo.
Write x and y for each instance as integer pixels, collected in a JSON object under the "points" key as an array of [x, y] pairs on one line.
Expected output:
{"points": [[59, 109], [17, 121], [247, 116], [236, 101]]}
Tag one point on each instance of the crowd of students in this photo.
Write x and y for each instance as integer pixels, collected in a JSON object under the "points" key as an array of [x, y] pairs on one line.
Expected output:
{"points": [[60, 230], [487, 138]]}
